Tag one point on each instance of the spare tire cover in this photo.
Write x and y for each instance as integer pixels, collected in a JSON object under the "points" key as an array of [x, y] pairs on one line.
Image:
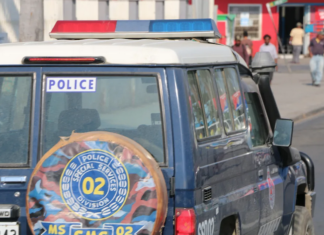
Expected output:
{"points": [[96, 183]]}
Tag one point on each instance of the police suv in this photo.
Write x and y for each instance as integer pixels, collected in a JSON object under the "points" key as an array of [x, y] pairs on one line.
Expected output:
{"points": [[145, 127]]}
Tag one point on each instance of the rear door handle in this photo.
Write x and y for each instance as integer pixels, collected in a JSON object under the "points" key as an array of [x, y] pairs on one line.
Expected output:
{"points": [[13, 179]]}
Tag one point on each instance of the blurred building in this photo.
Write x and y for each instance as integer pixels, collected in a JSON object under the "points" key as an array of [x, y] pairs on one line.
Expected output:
{"points": [[233, 17], [254, 18], [103, 10]]}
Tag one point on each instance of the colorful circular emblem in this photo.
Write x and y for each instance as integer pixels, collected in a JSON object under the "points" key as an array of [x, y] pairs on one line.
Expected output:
{"points": [[94, 184]]}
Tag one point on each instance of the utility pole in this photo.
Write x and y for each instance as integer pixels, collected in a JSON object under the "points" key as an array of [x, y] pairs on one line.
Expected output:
{"points": [[31, 20]]}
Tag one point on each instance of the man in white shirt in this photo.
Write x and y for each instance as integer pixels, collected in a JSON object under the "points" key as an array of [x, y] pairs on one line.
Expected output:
{"points": [[269, 47]]}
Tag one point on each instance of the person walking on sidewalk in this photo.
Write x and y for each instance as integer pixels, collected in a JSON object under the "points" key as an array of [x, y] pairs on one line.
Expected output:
{"points": [[296, 40], [248, 45], [241, 49], [316, 51], [269, 47]]}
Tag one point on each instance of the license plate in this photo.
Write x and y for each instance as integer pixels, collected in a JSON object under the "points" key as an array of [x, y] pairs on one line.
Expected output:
{"points": [[9, 229]]}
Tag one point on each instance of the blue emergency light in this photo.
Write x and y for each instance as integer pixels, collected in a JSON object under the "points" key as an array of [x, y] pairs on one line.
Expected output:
{"points": [[189, 28]]}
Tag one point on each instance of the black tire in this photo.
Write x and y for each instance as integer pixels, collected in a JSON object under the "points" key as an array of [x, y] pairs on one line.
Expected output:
{"points": [[303, 223]]}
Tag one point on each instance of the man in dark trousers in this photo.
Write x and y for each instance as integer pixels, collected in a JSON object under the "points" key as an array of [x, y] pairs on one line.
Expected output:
{"points": [[241, 49], [316, 51]]}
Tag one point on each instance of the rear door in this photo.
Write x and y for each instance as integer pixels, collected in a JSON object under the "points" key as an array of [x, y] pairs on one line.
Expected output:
{"points": [[133, 102], [19, 109], [270, 180], [237, 171], [226, 177]]}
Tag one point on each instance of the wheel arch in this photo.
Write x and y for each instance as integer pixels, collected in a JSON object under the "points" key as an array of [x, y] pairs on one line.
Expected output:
{"points": [[229, 224], [301, 195]]}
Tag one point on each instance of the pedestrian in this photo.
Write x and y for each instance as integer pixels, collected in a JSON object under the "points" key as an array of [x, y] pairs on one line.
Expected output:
{"points": [[241, 49], [316, 51], [296, 40], [248, 45], [269, 47]]}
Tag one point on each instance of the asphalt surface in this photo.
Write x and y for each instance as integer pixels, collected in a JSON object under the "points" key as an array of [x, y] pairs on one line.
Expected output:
{"points": [[294, 93], [309, 138]]}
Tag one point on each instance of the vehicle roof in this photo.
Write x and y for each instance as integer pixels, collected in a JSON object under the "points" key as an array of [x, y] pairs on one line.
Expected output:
{"points": [[122, 51]]}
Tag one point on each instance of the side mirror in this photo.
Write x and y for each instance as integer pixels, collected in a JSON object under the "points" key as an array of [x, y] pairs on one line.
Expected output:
{"points": [[283, 133], [282, 139], [263, 63]]}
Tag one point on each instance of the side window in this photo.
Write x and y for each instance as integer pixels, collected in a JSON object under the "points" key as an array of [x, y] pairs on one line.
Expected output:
{"points": [[208, 98], [203, 103], [20, 104], [15, 106], [257, 123], [224, 100], [235, 98], [58, 103], [6, 99], [195, 105]]}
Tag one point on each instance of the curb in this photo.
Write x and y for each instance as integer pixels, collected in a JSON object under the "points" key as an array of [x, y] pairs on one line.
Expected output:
{"points": [[308, 114]]}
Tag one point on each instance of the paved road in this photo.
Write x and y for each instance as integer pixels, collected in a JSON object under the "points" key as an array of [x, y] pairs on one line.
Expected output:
{"points": [[309, 138], [294, 93]]}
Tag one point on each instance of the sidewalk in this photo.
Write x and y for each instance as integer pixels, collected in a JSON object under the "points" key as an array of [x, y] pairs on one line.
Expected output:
{"points": [[294, 93]]}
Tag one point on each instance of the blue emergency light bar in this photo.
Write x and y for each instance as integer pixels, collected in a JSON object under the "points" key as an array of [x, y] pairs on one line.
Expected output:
{"points": [[131, 29]]}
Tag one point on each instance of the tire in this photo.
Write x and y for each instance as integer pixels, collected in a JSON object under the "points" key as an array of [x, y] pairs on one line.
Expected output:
{"points": [[97, 181], [303, 223]]}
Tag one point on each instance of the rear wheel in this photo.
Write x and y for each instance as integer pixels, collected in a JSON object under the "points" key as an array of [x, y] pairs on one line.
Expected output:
{"points": [[303, 223]]}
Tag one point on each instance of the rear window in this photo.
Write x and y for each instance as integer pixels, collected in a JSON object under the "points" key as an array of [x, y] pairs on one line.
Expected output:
{"points": [[15, 107], [126, 105]]}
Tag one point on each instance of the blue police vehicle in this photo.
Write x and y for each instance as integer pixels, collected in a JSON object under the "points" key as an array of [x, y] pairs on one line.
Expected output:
{"points": [[145, 127]]}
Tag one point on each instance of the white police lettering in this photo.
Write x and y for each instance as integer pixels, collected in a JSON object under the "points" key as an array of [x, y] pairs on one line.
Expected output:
{"points": [[206, 227], [71, 84]]}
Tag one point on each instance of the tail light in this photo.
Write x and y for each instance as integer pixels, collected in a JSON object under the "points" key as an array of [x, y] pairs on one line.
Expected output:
{"points": [[185, 221]]}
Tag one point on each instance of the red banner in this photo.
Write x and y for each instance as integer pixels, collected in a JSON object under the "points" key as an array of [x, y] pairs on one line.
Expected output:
{"points": [[319, 13]]}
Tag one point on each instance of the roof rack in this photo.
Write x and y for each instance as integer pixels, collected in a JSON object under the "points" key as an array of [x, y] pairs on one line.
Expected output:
{"points": [[136, 29]]}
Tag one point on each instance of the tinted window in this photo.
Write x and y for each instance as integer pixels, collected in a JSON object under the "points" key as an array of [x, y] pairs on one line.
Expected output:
{"points": [[257, 124], [234, 93], [127, 105], [15, 103], [208, 98], [224, 100], [195, 105]]}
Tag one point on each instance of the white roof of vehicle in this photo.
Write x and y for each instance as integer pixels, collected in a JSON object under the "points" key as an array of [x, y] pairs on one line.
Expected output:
{"points": [[121, 51]]}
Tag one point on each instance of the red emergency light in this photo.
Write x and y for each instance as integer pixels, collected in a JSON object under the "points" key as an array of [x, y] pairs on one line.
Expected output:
{"points": [[63, 60], [83, 26]]}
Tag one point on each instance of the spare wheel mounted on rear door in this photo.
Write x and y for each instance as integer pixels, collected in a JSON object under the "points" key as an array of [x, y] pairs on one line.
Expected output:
{"points": [[96, 183]]}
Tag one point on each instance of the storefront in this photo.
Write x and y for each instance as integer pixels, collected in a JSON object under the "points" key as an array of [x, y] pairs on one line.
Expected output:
{"points": [[254, 18], [225, 25]]}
